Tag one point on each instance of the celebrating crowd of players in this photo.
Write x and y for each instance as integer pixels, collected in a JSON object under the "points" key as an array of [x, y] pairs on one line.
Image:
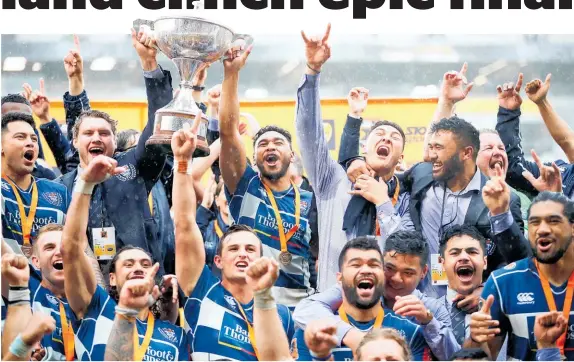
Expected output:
{"points": [[126, 255]]}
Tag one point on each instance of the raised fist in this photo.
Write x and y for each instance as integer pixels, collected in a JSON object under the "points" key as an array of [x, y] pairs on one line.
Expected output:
{"points": [[15, 269], [262, 274], [100, 169]]}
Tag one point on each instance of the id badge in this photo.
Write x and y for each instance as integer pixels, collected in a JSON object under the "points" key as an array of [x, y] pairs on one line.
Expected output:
{"points": [[104, 243], [438, 274]]}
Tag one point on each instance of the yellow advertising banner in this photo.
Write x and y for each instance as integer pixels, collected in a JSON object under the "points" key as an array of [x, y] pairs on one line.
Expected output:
{"points": [[414, 115]]}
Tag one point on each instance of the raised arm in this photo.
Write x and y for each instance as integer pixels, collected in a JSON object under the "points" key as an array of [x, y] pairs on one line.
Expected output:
{"points": [[81, 281], [75, 99], [15, 273], [453, 90], [159, 93], [271, 340], [323, 171], [559, 129], [350, 138], [189, 249], [233, 160]]}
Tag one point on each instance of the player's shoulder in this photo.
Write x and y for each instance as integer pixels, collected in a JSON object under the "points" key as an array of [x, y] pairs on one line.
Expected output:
{"points": [[51, 184], [514, 270], [400, 323]]}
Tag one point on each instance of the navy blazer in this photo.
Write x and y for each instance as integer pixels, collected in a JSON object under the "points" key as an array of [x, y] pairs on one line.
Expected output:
{"points": [[125, 197]]}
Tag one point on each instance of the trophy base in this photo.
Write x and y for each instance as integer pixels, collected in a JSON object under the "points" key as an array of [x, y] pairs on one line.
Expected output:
{"points": [[162, 142]]}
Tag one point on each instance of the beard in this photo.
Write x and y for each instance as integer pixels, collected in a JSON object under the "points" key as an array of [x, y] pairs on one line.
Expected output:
{"points": [[451, 168], [551, 259], [276, 175], [354, 299]]}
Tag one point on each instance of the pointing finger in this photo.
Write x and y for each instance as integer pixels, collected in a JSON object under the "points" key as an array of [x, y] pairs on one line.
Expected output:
{"points": [[305, 39], [548, 79], [327, 33], [195, 127], [464, 69], [42, 87], [519, 82], [488, 304], [536, 159]]}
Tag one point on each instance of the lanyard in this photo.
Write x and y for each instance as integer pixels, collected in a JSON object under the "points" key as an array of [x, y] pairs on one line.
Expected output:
{"points": [[140, 350], [249, 329], [378, 320], [181, 318], [217, 228], [552, 304], [393, 201], [26, 221], [67, 334], [282, 237]]}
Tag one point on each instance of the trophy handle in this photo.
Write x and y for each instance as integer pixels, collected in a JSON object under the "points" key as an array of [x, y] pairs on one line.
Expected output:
{"points": [[247, 39]]}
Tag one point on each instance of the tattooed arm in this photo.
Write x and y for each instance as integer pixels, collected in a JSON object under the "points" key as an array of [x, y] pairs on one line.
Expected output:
{"points": [[120, 345]]}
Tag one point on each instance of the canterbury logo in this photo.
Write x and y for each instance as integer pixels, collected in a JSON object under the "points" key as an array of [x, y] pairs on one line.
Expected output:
{"points": [[525, 298]]}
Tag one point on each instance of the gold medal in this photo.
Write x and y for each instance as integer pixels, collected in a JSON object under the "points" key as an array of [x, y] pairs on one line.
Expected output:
{"points": [[27, 250], [285, 258]]}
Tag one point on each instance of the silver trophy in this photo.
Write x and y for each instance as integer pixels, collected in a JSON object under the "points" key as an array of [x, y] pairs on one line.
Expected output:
{"points": [[192, 43]]}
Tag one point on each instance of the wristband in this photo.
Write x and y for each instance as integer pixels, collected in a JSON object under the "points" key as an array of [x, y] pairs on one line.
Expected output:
{"points": [[20, 349], [317, 358], [316, 71], [198, 88], [84, 187], [183, 166], [127, 313], [18, 295], [264, 300]]}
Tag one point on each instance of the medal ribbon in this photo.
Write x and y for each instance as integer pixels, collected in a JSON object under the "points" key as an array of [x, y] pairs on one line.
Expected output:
{"points": [[378, 320], [552, 304], [282, 237], [140, 350], [218, 230], [249, 329], [393, 201], [67, 334], [181, 318], [26, 222]]}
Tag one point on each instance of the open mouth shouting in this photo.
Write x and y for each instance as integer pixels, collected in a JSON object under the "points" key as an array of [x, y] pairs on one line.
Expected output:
{"points": [[544, 244], [242, 265], [29, 156], [496, 161], [383, 151], [96, 151], [58, 265], [465, 272], [137, 275], [365, 286], [271, 159]]}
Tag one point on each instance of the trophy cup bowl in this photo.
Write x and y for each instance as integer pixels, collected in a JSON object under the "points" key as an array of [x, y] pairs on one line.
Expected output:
{"points": [[192, 44]]}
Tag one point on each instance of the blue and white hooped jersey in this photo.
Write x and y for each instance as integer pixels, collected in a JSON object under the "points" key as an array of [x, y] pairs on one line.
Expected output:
{"points": [[168, 341], [518, 299], [42, 300], [215, 324], [412, 333], [250, 206], [53, 202]]}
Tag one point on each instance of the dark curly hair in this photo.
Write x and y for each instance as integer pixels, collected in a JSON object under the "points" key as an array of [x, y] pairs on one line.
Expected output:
{"points": [[464, 132], [279, 130], [159, 307]]}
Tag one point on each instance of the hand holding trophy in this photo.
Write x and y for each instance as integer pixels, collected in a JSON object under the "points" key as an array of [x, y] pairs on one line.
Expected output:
{"points": [[192, 43]]}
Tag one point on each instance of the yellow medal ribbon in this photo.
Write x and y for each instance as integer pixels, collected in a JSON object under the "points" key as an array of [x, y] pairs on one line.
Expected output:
{"points": [[140, 350], [250, 330], [26, 221], [552, 304], [283, 238], [378, 320], [218, 230], [67, 334]]}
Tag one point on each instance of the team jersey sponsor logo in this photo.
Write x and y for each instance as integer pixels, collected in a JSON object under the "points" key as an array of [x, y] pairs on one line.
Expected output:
{"points": [[53, 198], [525, 298]]}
